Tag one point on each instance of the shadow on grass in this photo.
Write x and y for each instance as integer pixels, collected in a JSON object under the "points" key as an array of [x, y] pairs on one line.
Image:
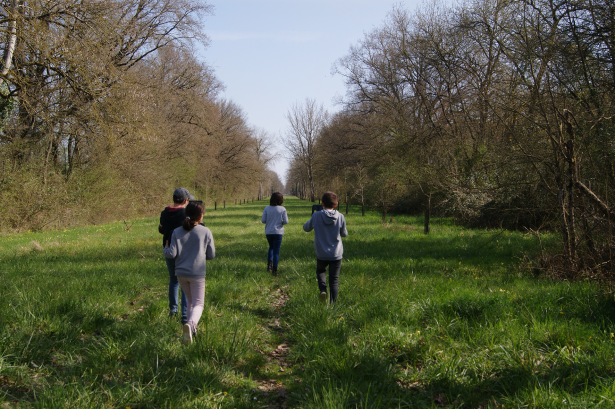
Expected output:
{"points": [[121, 363], [520, 384]]}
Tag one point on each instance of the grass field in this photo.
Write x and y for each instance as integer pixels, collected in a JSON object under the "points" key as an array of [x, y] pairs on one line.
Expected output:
{"points": [[424, 321]]}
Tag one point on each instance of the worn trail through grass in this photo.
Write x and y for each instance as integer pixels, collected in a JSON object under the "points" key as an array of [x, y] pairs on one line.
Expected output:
{"points": [[423, 321]]}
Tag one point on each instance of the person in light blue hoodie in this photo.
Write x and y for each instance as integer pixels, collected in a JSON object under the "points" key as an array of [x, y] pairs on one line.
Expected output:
{"points": [[274, 217], [329, 227]]}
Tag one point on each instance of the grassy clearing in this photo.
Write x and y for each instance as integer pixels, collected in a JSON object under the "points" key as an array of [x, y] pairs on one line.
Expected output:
{"points": [[444, 320]]}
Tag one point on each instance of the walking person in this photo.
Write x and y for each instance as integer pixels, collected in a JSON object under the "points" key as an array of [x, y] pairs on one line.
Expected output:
{"points": [[274, 217], [191, 245], [171, 218], [329, 227]]}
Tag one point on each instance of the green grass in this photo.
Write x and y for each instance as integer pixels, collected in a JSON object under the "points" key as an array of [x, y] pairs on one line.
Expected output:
{"points": [[439, 320]]}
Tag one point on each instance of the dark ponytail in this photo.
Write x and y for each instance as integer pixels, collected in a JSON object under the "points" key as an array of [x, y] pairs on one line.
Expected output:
{"points": [[194, 211]]}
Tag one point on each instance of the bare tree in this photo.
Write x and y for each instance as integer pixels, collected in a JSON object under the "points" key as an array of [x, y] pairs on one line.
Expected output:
{"points": [[305, 123], [262, 148]]}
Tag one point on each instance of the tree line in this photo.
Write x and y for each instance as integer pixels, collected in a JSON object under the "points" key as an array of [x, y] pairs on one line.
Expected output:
{"points": [[105, 108], [499, 113]]}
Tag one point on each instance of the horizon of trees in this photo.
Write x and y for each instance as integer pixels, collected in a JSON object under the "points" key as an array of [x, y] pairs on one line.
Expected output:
{"points": [[105, 109], [499, 113]]}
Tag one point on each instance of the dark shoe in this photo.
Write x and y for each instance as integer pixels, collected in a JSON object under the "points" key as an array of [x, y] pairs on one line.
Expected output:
{"points": [[323, 297], [274, 270], [172, 314], [269, 265]]}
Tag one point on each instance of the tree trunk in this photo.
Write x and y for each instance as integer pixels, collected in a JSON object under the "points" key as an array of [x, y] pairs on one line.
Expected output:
{"points": [[572, 177], [10, 48], [564, 222], [47, 162], [427, 215]]}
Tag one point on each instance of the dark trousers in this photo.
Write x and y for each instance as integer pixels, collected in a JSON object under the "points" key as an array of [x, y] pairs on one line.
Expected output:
{"points": [[334, 276], [273, 255]]}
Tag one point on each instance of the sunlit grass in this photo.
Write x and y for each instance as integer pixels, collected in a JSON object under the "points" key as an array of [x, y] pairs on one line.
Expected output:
{"points": [[440, 320]]}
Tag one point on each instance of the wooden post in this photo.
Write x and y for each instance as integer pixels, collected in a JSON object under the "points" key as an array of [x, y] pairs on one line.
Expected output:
{"points": [[225, 203]]}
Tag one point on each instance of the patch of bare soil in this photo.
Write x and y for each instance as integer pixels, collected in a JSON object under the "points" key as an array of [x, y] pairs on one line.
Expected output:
{"points": [[273, 390]]}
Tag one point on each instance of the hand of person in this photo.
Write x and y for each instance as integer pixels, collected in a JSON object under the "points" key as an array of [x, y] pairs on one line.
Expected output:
{"points": [[166, 244]]}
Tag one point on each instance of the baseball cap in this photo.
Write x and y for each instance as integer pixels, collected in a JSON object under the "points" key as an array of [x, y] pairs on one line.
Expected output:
{"points": [[182, 194]]}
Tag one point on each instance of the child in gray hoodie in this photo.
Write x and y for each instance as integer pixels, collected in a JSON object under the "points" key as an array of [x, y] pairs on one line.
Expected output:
{"points": [[191, 245], [329, 227]]}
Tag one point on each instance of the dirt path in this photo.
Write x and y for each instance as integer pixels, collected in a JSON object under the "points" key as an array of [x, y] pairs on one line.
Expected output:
{"points": [[273, 390]]}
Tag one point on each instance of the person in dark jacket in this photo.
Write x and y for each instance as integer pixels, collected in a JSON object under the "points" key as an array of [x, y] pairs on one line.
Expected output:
{"points": [[171, 218]]}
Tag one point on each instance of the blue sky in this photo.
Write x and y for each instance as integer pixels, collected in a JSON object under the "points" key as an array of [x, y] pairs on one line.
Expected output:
{"points": [[272, 53]]}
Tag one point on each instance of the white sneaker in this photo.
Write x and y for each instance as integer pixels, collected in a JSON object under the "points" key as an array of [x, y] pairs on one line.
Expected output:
{"points": [[323, 297], [187, 334]]}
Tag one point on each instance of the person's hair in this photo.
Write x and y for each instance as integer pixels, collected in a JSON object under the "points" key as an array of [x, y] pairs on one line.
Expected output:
{"points": [[178, 201], [276, 199], [329, 200], [194, 211]]}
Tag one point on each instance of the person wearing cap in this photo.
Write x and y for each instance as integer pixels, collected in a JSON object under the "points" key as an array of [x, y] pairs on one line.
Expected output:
{"points": [[171, 218]]}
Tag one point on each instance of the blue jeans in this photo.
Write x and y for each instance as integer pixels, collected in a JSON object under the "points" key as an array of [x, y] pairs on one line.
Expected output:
{"points": [[275, 241], [173, 287]]}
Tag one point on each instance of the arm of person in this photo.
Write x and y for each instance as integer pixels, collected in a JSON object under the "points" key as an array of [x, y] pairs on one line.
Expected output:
{"points": [[160, 226], [343, 231], [170, 251], [210, 252], [308, 226], [264, 218], [284, 217]]}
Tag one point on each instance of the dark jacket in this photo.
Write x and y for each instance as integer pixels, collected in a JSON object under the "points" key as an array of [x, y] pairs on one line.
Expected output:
{"points": [[170, 219]]}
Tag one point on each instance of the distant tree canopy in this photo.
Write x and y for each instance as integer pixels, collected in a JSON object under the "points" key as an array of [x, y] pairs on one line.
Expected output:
{"points": [[499, 113], [105, 109]]}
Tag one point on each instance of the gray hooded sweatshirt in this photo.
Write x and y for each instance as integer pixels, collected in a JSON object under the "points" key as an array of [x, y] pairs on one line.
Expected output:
{"points": [[329, 227], [190, 249]]}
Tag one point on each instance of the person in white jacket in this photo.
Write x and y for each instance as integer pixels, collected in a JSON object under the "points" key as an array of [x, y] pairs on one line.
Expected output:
{"points": [[274, 217]]}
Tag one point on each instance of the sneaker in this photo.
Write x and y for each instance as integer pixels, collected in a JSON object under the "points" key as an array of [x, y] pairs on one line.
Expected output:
{"points": [[323, 297], [187, 334]]}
